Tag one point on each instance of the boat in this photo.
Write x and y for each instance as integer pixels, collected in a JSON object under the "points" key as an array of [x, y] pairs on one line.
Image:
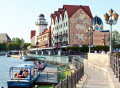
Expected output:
{"points": [[25, 57], [8, 54], [23, 76]]}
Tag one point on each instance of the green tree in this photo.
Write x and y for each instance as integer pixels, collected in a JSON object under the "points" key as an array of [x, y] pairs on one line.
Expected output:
{"points": [[17, 40], [2, 46], [115, 38]]}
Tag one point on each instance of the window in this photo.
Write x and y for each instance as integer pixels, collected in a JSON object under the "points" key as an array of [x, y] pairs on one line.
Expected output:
{"points": [[61, 25], [66, 23], [57, 27], [96, 28]]}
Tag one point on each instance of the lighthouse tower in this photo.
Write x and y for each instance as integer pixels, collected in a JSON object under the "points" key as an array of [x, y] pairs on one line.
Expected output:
{"points": [[41, 25]]}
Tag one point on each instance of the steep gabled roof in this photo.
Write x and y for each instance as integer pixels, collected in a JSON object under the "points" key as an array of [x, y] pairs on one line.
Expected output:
{"points": [[45, 31], [62, 12], [4, 37], [57, 14], [71, 9]]}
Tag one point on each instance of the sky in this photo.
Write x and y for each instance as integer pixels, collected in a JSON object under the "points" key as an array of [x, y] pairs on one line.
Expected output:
{"points": [[18, 17]]}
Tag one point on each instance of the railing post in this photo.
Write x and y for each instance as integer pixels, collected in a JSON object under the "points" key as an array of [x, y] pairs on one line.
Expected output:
{"points": [[47, 76], [71, 80], [77, 75], [75, 79], [61, 84], [53, 86], [67, 82], [115, 65], [118, 69]]}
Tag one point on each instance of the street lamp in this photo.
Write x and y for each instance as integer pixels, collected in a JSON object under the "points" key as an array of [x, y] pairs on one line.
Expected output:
{"points": [[89, 33], [111, 19]]}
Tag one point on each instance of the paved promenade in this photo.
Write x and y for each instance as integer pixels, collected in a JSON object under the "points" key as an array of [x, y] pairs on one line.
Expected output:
{"points": [[93, 79]]}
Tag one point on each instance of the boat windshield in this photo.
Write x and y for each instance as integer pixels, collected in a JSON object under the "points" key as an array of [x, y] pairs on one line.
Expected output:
{"points": [[23, 72]]}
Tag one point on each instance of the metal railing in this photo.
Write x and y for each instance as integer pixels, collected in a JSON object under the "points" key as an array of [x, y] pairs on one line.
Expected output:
{"points": [[115, 65], [54, 52], [72, 80]]}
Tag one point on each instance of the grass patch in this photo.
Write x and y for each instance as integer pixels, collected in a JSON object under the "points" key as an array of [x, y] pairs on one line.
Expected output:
{"points": [[63, 75], [44, 86]]}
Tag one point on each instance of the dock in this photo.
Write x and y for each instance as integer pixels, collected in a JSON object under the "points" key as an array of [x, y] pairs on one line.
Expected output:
{"points": [[48, 76]]}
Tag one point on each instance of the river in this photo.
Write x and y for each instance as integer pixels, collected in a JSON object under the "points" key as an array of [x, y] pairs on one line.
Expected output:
{"points": [[5, 64]]}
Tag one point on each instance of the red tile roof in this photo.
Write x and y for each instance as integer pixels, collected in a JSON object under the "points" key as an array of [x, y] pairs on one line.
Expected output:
{"points": [[62, 12], [45, 31], [70, 10], [33, 33]]}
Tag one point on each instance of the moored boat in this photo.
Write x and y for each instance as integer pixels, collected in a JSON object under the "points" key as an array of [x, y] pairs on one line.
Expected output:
{"points": [[8, 54], [25, 57], [23, 76]]}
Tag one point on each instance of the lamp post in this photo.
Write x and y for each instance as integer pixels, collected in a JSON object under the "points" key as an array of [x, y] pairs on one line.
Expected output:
{"points": [[60, 38], [111, 19], [89, 33]]}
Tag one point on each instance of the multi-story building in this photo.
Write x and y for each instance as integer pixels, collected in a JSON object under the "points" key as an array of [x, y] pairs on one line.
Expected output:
{"points": [[70, 23], [44, 39], [100, 36], [69, 26], [41, 36], [4, 38], [33, 32]]}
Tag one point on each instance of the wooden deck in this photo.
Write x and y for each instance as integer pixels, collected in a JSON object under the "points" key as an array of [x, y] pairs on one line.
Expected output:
{"points": [[48, 76]]}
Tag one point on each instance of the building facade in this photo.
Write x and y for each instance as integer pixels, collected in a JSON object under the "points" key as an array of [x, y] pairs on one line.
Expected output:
{"points": [[69, 26], [70, 22], [44, 39], [41, 36], [4, 38], [33, 32], [100, 36]]}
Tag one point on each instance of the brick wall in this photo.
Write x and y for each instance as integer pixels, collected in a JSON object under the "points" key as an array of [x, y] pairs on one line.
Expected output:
{"points": [[79, 23]]}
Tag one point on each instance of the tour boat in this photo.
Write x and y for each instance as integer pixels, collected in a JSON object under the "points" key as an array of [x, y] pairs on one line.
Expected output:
{"points": [[23, 76], [25, 57]]}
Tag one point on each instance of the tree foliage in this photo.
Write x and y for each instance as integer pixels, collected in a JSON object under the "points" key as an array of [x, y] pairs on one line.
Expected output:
{"points": [[115, 39], [85, 48], [17, 40], [13, 46]]}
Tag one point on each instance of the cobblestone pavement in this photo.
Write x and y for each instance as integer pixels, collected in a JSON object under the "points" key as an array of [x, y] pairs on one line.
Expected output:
{"points": [[93, 79]]}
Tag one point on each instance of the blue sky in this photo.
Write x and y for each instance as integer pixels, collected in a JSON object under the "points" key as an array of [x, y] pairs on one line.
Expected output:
{"points": [[17, 17]]}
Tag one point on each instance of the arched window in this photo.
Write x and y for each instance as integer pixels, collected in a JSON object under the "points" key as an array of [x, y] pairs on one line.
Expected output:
{"points": [[96, 28]]}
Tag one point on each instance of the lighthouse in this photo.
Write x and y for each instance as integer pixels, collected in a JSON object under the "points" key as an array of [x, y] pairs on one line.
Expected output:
{"points": [[41, 25]]}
